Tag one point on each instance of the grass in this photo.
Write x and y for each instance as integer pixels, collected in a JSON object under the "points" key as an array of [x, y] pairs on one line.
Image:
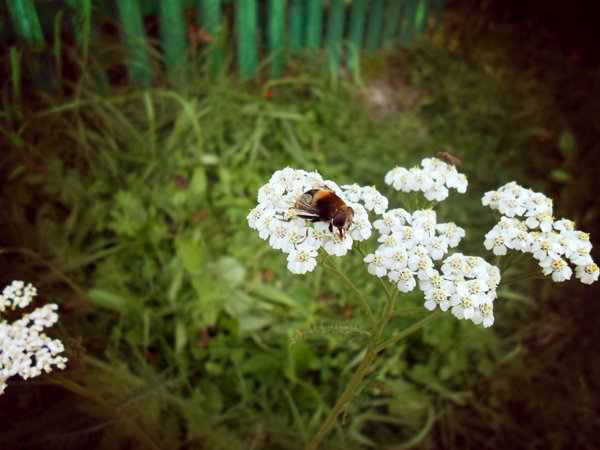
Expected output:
{"points": [[129, 210]]}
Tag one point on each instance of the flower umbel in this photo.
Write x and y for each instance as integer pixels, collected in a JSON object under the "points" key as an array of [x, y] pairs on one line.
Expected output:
{"points": [[433, 178], [551, 242], [24, 349]]}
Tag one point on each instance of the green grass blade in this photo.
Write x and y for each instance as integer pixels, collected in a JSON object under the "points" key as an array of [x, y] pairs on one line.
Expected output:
{"points": [[26, 21]]}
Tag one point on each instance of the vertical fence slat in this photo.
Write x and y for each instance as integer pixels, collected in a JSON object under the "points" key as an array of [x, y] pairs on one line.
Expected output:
{"points": [[135, 39], [247, 36], [391, 23], [276, 35], [314, 24], [296, 25], [408, 21], [437, 10], [335, 33], [374, 28], [172, 32], [211, 20], [357, 25], [421, 16], [26, 21], [82, 22]]}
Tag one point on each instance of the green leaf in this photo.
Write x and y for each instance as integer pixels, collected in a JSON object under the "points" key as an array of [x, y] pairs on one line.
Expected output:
{"points": [[122, 303], [560, 176], [566, 142], [190, 253]]}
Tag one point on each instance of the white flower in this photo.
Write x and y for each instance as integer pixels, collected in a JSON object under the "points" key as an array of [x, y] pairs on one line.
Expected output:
{"points": [[437, 297], [335, 245], [542, 220], [451, 232], [436, 282], [513, 200], [587, 274], [497, 241], [434, 179], [377, 266], [368, 195], [484, 314], [17, 295], [352, 192], [404, 279], [302, 260], [558, 267], [24, 349], [437, 192]]}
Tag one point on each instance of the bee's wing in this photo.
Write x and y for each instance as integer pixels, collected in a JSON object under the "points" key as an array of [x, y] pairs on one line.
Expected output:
{"points": [[304, 203]]}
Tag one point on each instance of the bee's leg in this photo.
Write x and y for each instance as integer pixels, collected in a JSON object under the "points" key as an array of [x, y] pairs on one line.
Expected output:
{"points": [[305, 237], [331, 227]]}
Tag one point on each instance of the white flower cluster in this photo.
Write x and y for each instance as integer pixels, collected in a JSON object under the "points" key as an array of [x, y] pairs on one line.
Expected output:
{"points": [[550, 241], [410, 245], [369, 196], [467, 284], [276, 218], [24, 349], [434, 179]]}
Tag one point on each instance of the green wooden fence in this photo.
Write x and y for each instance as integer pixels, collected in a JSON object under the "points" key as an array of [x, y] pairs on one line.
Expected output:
{"points": [[271, 29]]}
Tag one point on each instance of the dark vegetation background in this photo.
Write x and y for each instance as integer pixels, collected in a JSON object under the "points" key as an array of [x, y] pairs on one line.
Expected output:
{"points": [[128, 208]]}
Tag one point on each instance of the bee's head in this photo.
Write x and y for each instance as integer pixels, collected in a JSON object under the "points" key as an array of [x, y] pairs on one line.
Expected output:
{"points": [[343, 219]]}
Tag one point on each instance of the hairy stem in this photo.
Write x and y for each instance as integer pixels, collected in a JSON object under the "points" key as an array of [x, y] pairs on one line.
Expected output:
{"points": [[351, 285], [372, 350]]}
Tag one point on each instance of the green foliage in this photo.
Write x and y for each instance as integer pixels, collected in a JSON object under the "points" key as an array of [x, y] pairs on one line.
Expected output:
{"points": [[130, 211]]}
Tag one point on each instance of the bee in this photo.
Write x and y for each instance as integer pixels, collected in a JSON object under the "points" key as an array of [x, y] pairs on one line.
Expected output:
{"points": [[323, 205], [449, 159]]}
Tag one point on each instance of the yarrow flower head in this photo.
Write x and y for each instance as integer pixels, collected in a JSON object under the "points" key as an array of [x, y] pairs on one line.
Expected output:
{"points": [[433, 178], [527, 225], [24, 349], [290, 216]]}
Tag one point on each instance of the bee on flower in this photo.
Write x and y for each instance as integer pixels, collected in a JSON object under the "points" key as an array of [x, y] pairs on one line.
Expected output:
{"points": [[299, 213]]}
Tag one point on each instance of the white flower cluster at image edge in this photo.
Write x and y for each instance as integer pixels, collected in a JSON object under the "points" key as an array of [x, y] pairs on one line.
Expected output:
{"points": [[434, 179], [551, 242], [276, 220], [24, 349], [410, 246]]}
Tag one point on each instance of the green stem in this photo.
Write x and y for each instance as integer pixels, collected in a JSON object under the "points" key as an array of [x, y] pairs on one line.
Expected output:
{"points": [[408, 311], [345, 398], [372, 350], [415, 327], [349, 283], [527, 276]]}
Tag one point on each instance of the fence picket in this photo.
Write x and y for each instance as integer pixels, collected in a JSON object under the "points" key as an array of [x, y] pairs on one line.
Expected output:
{"points": [[374, 27], [335, 33], [276, 36], [172, 32], [357, 22], [296, 25], [211, 20], [135, 39], [391, 23], [247, 40], [408, 21], [314, 24]]}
